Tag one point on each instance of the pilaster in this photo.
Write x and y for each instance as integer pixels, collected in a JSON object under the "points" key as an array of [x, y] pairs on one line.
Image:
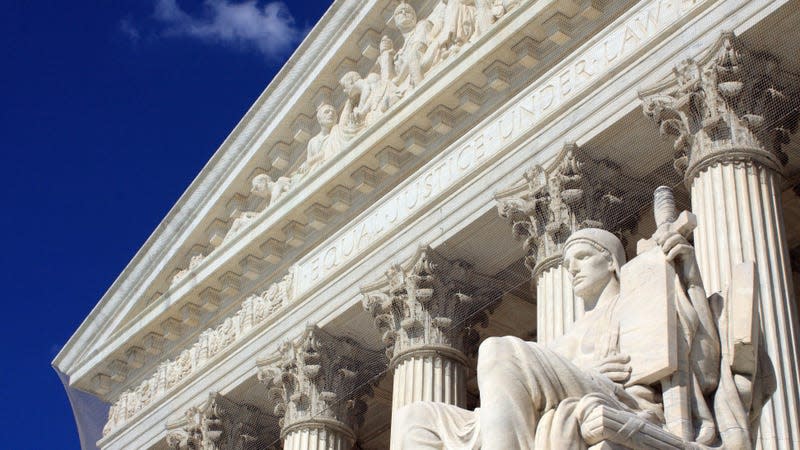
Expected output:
{"points": [[317, 383], [573, 192], [425, 310], [730, 115]]}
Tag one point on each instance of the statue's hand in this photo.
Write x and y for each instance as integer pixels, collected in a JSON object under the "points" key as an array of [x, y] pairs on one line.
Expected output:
{"points": [[615, 367], [681, 253]]}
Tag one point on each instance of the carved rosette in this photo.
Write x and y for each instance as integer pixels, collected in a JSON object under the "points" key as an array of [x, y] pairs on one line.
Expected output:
{"points": [[728, 105], [220, 423], [572, 193], [430, 304], [317, 383]]}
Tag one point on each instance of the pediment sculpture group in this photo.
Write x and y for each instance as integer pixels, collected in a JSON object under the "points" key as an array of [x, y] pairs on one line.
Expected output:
{"points": [[400, 67], [649, 365]]}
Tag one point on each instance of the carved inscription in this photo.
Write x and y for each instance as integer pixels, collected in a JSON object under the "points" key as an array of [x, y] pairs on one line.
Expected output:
{"points": [[528, 112]]}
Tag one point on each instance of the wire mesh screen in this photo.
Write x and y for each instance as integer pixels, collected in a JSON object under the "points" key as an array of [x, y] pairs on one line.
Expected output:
{"points": [[715, 140]]}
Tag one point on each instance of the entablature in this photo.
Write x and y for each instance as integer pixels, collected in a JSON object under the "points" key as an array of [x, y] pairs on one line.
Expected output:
{"points": [[448, 101], [563, 105]]}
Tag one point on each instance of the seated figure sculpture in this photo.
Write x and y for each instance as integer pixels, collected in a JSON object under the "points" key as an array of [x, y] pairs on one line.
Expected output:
{"points": [[554, 396]]}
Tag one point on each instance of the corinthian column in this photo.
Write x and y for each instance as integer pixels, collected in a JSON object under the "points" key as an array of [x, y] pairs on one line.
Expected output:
{"points": [[551, 203], [425, 310], [220, 424], [730, 115], [317, 383]]}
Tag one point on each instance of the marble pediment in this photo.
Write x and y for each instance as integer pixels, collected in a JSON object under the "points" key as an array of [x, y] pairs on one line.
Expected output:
{"points": [[261, 203]]}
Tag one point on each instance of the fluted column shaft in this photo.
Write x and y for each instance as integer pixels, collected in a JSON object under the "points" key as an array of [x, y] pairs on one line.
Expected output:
{"points": [[731, 114], [317, 438], [740, 219], [556, 305], [429, 375]]}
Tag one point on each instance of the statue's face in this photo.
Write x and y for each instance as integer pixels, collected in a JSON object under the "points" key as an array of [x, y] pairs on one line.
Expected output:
{"points": [[405, 17], [260, 184], [591, 269], [326, 115]]}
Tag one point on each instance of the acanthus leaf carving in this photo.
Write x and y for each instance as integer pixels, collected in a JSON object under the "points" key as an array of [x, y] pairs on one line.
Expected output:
{"points": [[430, 302], [221, 423], [729, 104], [320, 379], [572, 193]]}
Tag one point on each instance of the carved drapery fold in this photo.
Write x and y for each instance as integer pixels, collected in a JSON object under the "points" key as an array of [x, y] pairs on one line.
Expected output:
{"points": [[221, 424], [317, 383], [730, 115], [552, 202], [426, 310]]}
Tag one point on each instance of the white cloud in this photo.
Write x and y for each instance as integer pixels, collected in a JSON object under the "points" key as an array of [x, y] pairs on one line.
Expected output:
{"points": [[271, 29]]}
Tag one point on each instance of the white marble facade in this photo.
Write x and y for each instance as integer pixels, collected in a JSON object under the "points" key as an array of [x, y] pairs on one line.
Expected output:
{"points": [[441, 226]]}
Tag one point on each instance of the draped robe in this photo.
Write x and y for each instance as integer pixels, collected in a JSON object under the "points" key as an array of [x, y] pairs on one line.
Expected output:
{"points": [[543, 393]]}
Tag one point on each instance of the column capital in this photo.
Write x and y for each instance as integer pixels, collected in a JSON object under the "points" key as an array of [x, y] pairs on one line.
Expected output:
{"points": [[221, 423], [429, 305], [727, 105], [573, 192], [318, 380]]}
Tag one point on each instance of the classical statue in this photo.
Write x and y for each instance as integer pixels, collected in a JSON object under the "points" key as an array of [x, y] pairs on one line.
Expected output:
{"points": [[651, 364], [265, 187], [454, 23], [413, 59], [328, 142], [368, 98]]}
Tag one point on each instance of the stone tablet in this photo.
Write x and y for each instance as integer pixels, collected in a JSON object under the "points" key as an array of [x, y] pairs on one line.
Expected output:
{"points": [[648, 328]]}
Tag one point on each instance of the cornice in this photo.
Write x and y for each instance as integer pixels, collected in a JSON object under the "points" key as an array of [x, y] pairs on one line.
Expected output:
{"points": [[363, 147], [457, 208], [341, 15]]}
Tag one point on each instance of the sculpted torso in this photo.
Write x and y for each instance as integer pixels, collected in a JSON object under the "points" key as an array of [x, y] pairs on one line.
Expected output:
{"points": [[537, 396]]}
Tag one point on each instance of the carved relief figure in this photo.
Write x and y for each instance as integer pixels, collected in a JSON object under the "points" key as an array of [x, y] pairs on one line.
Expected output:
{"points": [[413, 59], [328, 142], [570, 393], [488, 11], [193, 262], [263, 186], [453, 27], [368, 98]]}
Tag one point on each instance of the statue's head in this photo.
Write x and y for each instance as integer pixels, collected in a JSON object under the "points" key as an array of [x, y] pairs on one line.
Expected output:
{"points": [[593, 257], [348, 82], [405, 17], [260, 185], [326, 115]]}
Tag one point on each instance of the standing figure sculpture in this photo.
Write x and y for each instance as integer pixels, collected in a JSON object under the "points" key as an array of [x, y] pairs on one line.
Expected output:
{"points": [[413, 58], [328, 142], [454, 25], [585, 390]]}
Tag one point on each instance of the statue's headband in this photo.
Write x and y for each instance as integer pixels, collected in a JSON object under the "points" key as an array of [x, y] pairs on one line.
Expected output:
{"points": [[601, 240]]}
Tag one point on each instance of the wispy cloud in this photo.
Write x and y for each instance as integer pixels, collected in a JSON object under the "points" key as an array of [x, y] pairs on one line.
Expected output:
{"points": [[270, 28], [129, 29]]}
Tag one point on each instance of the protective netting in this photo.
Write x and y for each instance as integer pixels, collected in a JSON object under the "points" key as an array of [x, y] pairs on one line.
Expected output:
{"points": [[719, 135]]}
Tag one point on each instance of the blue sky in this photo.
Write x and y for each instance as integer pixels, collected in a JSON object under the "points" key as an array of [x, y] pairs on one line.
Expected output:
{"points": [[109, 110]]}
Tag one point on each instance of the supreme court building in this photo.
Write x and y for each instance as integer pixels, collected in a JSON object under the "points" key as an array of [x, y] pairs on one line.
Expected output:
{"points": [[402, 191]]}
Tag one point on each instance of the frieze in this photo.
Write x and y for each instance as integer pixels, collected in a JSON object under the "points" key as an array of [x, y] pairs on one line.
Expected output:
{"points": [[255, 310], [491, 138], [476, 150]]}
